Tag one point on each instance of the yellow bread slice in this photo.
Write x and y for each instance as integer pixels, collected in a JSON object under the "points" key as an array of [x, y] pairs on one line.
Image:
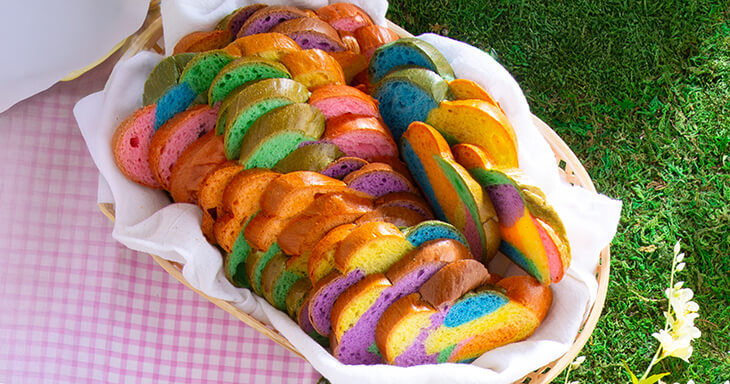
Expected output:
{"points": [[322, 258], [371, 247], [480, 123]]}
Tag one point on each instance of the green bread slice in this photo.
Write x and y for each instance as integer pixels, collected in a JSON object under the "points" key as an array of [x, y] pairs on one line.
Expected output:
{"points": [[203, 68], [277, 280], [250, 93], [311, 157], [279, 132], [242, 71], [255, 264], [234, 263], [164, 76]]}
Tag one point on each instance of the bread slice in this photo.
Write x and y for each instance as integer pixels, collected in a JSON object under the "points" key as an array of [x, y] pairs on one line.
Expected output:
{"points": [[343, 167], [235, 20], [242, 71], [287, 194], [431, 230], [201, 41], [369, 248], [164, 76], [356, 312], [266, 18], [241, 199], [408, 95], [322, 257], [351, 61], [379, 179], [408, 200], [270, 46], [234, 262], [344, 16], [465, 89], [398, 216], [339, 99], [197, 160], [329, 210], [408, 51], [172, 138], [433, 327], [533, 236], [252, 103], [130, 146], [314, 68], [480, 123], [311, 33], [174, 101], [277, 279], [310, 156], [255, 264], [278, 133], [365, 137], [452, 192], [202, 69], [372, 37], [212, 187]]}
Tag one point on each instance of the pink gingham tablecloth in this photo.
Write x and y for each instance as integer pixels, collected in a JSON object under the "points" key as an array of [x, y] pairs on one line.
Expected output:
{"points": [[77, 307]]}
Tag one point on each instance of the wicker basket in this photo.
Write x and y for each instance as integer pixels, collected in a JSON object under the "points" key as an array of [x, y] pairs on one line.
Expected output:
{"points": [[571, 170]]}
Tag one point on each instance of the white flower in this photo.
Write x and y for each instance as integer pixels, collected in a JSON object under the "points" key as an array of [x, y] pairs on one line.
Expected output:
{"points": [[674, 346], [680, 267], [677, 247], [578, 361], [679, 258], [691, 381]]}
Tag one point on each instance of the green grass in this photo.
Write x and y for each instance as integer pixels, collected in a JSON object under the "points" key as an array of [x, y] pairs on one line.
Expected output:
{"points": [[640, 91]]}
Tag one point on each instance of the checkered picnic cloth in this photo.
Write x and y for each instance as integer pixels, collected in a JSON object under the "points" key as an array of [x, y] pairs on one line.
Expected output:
{"points": [[76, 306]]}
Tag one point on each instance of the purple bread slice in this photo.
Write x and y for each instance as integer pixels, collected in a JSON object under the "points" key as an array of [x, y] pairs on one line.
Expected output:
{"points": [[266, 18], [343, 167], [356, 312], [131, 146], [235, 20], [378, 179], [311, 33]]}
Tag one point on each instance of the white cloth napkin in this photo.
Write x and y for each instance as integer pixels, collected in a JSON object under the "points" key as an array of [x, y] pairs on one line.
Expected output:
{"points": [[50, 39], [146, 221]]}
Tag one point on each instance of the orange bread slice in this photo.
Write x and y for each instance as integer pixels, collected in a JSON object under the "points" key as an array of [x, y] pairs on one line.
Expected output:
{"points": [[288, 193], [352, 62], [365, 137], [447, 322], [344, 16], [174, 136], [241, 199], [131, 143], [211, 193], [372, 37], [464, 89], [194, 164], [202, 41], [407, 200], [271, 46], [398, 216], [314, 68], [322, 257], [356, 312], [328, 211], [480, 123]]}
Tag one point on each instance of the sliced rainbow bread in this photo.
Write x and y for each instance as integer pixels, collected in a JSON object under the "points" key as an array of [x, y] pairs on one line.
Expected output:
{"points": [[356, 312], [455, 317], [533, 236], [454, 195], [131, 146], [409, 51]]}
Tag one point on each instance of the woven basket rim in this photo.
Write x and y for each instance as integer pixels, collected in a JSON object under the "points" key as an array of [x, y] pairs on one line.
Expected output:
{"points": [[571, 169]]}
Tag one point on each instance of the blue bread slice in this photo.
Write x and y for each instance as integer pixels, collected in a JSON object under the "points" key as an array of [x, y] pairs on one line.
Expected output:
{"points": [[408, 95], [410, 51]]}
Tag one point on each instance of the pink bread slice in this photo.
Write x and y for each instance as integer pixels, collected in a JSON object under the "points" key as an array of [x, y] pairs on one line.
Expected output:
{"points": [[344, 16], [131, 146], [360, 136], [338, 99], [175, 135], [356, 312]]}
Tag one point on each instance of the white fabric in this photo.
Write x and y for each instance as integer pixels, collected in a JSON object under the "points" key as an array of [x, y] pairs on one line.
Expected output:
{"points": [[50, 39], [146, 220]]}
